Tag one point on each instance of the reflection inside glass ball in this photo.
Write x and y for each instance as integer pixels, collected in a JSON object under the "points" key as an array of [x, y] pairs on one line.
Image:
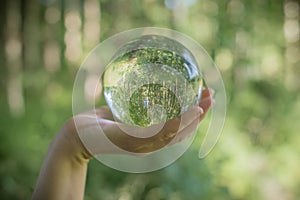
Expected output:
{"points": [[150, 80]]}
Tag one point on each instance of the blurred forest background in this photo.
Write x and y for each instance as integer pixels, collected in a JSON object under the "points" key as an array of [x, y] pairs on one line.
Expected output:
{"points": [[255, 45]]}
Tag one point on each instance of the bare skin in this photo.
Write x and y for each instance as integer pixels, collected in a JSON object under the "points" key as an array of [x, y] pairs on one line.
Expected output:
{"points": [[63, 173]]}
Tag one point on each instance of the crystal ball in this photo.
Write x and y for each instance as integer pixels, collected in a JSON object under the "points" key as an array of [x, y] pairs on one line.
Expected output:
{"points": [[150, 80]]}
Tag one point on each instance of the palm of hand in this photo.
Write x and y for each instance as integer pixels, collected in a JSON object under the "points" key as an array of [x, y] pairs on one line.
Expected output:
{"points": [[133, 139]]}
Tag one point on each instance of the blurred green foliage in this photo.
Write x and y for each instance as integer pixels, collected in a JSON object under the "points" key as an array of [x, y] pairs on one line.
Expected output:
{"points": [[255, 45]]}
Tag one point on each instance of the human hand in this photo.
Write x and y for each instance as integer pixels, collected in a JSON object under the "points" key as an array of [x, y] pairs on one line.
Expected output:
{"points": [[117, 138], [64, 170]]}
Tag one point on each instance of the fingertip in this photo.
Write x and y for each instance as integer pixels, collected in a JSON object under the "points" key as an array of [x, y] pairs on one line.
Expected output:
{"points": [[211, 92], [194, 111], [206, 103], [207, 92], [200, 110], [201, 113]]}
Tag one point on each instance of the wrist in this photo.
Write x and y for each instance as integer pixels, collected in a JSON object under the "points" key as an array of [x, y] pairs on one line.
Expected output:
{"points": [[69, 143]]}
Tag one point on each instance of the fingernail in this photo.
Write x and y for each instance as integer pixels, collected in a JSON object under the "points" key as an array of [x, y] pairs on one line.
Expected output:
{"points": [[212, 92], [200, 110]]}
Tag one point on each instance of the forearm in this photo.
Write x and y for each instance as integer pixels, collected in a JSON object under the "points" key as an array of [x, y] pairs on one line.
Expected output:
{"points": [[63, 173], [64, 170]]}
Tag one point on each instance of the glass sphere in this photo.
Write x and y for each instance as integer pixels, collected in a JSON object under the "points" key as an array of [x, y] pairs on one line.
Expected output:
{"points": [[150, 80]]}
